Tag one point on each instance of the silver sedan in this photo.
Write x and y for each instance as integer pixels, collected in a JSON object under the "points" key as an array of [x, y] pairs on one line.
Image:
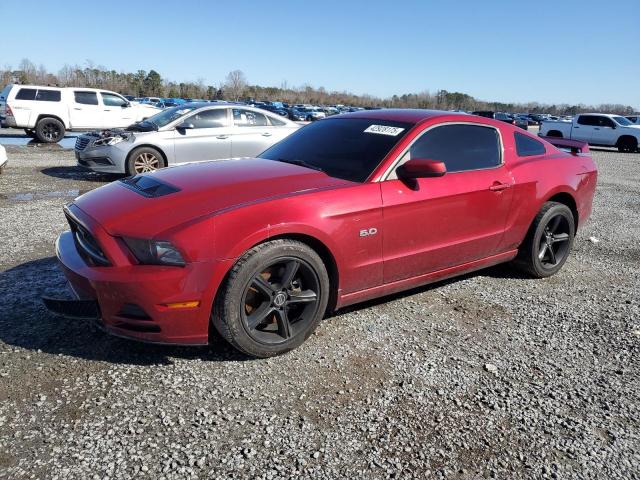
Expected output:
{"points": [[186, 133]]}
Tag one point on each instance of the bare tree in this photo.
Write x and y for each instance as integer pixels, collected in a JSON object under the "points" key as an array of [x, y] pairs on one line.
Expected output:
{"points": [[236, 84]]}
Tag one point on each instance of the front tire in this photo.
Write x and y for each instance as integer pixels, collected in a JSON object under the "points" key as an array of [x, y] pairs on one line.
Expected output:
{"points": [[548, 241], [49, 130], [144, 160], [273, 299]]}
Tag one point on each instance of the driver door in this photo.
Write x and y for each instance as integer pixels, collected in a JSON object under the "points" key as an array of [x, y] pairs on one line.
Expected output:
{"points": [[436, 223], [207, 136], [604, 133]]}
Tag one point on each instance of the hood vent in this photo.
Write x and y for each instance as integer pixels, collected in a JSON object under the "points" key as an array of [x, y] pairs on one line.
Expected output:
{"points": [[147, 186]]}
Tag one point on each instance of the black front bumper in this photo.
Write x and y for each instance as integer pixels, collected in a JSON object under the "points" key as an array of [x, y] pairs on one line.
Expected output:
{"points": [[80, 309]]}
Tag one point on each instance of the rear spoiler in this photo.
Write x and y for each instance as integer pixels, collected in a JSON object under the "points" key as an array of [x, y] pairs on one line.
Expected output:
{"points": [[575, 146]]}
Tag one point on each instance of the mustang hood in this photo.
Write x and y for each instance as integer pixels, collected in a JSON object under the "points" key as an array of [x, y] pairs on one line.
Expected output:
{"points": [[152, 203]]}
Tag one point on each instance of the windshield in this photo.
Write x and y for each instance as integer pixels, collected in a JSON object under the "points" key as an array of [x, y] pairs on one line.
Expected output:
{"points": [[169, 115], [622, 121], [347, 148]]}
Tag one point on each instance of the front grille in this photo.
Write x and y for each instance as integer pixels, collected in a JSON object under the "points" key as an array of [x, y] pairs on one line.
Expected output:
{"points": [[86, 244], [82, 142]]}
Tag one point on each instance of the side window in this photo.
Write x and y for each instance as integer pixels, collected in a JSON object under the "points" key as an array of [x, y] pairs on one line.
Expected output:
{"points": [[209, 118], [248, 118], [26, 94], [111, 100], [588, 120], [86, 98], [48, 95], [276, 122], [632, 119], [605, 122], [460, 147], [527, 146]]}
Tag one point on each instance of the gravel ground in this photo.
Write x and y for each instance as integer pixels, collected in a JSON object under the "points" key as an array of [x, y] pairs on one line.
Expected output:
{"points": [[488, 375]]}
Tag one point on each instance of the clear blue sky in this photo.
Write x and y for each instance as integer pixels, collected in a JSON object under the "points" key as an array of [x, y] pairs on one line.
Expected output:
{"points": [[537, 50]]}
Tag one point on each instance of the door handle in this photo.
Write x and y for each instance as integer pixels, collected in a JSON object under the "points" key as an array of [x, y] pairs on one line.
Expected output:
{"points": [[76, 108], [596, 128], [498, 187], [222, 137], [267, 134]]}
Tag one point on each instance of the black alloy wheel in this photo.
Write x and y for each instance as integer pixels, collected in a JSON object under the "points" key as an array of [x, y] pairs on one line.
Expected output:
{"points": [[273, 298], [554, 243], [280, 301], [49, 130], [548, 242]]}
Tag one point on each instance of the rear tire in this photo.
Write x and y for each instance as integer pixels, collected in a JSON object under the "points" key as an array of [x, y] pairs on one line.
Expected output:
{"points": [[144, 160], [548, 241], [49, 130], [273, 299], [554, 133], [627, 145]]}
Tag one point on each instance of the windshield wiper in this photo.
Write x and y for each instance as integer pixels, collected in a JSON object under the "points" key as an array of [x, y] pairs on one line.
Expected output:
{"points": [[300, 163]]}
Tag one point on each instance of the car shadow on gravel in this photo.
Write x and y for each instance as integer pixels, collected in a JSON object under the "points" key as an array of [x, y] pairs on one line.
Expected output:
{"points": [[25, 323], [79, 173]]}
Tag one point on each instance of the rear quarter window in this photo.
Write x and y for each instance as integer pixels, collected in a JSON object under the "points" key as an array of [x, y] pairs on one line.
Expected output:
{"points": [[275, 121], [527, 146], [48, 95], [26, 94]]}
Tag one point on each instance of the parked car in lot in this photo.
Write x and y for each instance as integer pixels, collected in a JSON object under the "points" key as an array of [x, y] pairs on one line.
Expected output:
{"points": [[150, 100], [296, 115], [344, 210], [46, 113], [312, 114], [3, 158], [500, 116], [189, 132], [275, 109], [597, 129]]}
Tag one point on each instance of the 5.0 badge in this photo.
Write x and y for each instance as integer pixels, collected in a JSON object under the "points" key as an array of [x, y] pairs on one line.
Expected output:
{"points": [[367, 232]]}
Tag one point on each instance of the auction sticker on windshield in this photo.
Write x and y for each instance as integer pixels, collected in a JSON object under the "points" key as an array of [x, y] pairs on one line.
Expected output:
{"points": [[384, 130]]}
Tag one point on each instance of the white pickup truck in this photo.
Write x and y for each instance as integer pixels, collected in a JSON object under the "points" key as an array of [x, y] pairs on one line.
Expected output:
{"points": [[597, 129], [46, 113]]}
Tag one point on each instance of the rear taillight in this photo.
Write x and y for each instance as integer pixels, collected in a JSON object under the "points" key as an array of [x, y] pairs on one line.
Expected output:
{"points": [[7, 110]]}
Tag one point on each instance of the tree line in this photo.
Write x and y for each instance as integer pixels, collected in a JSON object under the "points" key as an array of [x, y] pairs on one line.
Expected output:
{"points": [[235, 87]]}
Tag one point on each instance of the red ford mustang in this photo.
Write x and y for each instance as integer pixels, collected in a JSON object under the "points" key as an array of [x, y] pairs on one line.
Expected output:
{"points": [[347, 209]]}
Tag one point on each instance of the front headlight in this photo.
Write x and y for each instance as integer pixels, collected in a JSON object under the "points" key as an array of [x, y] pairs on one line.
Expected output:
{"points": [[108, 141], [154, 252]]}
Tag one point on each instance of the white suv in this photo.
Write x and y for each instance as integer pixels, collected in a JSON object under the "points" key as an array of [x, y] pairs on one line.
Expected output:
{"points": [[46, 113]]}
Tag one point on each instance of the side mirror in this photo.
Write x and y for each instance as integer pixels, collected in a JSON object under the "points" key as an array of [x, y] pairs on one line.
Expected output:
{"points": [[126, 105], [185, 126], [421, 168], [614, 126]]}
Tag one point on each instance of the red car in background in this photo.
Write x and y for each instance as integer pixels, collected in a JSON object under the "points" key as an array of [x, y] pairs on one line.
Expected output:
{"points": [[349, 208]]}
